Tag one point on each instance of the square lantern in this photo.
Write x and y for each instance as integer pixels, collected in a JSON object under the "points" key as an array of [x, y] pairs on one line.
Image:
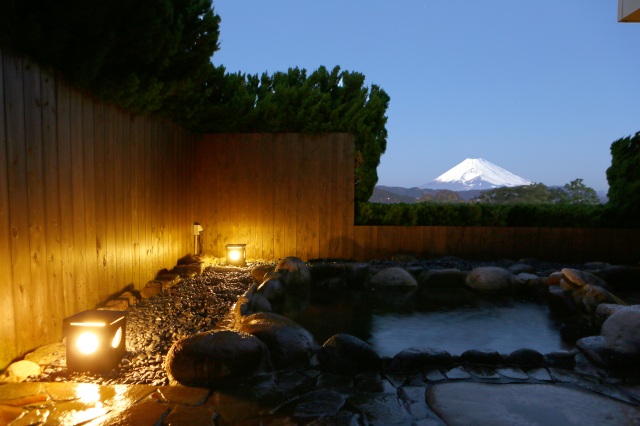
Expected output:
{"points": [[236, 254], [96, 340]]}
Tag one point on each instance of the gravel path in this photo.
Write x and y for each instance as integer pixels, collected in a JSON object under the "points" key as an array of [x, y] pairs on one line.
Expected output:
{"points": [[194, 305]]}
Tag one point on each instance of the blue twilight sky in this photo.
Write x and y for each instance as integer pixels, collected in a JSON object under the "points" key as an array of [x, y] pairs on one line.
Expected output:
{"points": [[539, 88]]}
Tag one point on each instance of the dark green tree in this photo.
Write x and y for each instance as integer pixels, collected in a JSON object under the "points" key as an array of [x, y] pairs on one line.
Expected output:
{"points": [[526, 194], [145, 55], [624, 176], [578, 193], [292, 101]]}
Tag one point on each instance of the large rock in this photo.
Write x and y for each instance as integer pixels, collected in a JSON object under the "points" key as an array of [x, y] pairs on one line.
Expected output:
{"points": [[346, 353], [290, 345], [393, 278], [258, 272], [590, 296], [489, 278], [296, 277], [272, 289], [577, 278], [525, 357], [442, 278], [622, 330], [19, 371], [621, 277], [481, 356], [619, 342], [522, 268], [417, 358], [53, 354], [216, 358]]}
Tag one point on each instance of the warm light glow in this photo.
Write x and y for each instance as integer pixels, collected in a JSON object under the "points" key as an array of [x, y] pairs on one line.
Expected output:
{"points": [[87, 343], [117, 338], [234, 255]]}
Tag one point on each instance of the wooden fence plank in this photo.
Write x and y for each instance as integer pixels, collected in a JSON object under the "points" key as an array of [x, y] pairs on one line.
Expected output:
{"points": [[254, 203], [267, 199], [127, 238], [118, 161], [100, 153], [136, 158], [78, 206], [293, 193], [110, 244], [279, 197], [7, 314], [18, 204], [66, 199], [35, 195], [89, 162]]}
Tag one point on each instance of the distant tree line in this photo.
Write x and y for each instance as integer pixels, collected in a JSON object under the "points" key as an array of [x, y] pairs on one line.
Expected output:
{"points": [[154, 57], [574, 205], [575, 192]]}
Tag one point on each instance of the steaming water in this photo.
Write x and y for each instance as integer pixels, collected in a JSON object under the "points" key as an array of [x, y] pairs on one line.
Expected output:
{"points": [[391, 327], [502, 328]]}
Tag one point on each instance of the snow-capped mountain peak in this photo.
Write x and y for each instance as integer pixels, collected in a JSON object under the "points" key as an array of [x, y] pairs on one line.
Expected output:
{"points": [[475, 173]]}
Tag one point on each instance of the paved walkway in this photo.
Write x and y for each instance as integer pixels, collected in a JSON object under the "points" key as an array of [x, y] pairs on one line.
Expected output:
{"points": [[457, 396]]}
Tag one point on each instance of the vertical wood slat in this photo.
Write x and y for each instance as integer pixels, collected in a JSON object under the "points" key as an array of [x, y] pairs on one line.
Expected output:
{"points": [[89, 163], [18, 202], [35, 195], [118, 205], [127, 239], [100, 175], [7, 313], [78, 206], [55, 307]]}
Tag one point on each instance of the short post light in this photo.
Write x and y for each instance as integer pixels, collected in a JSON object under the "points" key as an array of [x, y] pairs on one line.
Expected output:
{"points": [[197, 238], [96, 340], [236, 254]]}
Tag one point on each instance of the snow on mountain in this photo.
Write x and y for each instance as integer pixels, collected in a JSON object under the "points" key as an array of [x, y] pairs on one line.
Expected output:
{"points": [[475, 173]]}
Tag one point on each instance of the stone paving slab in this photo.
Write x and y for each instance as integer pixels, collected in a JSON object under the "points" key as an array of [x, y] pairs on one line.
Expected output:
{"points": [[467, 403]]}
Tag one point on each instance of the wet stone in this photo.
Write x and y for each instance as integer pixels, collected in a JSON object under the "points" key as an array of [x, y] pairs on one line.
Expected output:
{"points": [[188, 416], [484, 373], [182, 395], [20, 390], [318, 403], [412, 393], [148, 413], [435, 376], [381, 409], [9, 414], [457, 374], [513, 373], [334, 380], [520, 404]]}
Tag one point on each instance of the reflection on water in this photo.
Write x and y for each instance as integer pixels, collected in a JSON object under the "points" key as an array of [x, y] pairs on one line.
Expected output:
{"points": [[392, 325], [502, 328]]}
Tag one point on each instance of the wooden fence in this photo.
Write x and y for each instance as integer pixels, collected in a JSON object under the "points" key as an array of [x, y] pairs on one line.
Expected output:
{"points": [[92, 199], [281, 194], [292, 195]]}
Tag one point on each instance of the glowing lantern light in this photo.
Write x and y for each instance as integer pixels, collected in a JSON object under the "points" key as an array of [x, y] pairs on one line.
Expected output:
{"points": [[236, 254], [96, 340]]}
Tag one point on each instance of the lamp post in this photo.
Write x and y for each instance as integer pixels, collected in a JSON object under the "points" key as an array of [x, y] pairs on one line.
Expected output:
{"points": [[96, 340], [236, 254]]}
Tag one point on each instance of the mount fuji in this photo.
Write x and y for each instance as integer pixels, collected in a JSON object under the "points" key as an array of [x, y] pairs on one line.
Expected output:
{"points": [[475, 174]]}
